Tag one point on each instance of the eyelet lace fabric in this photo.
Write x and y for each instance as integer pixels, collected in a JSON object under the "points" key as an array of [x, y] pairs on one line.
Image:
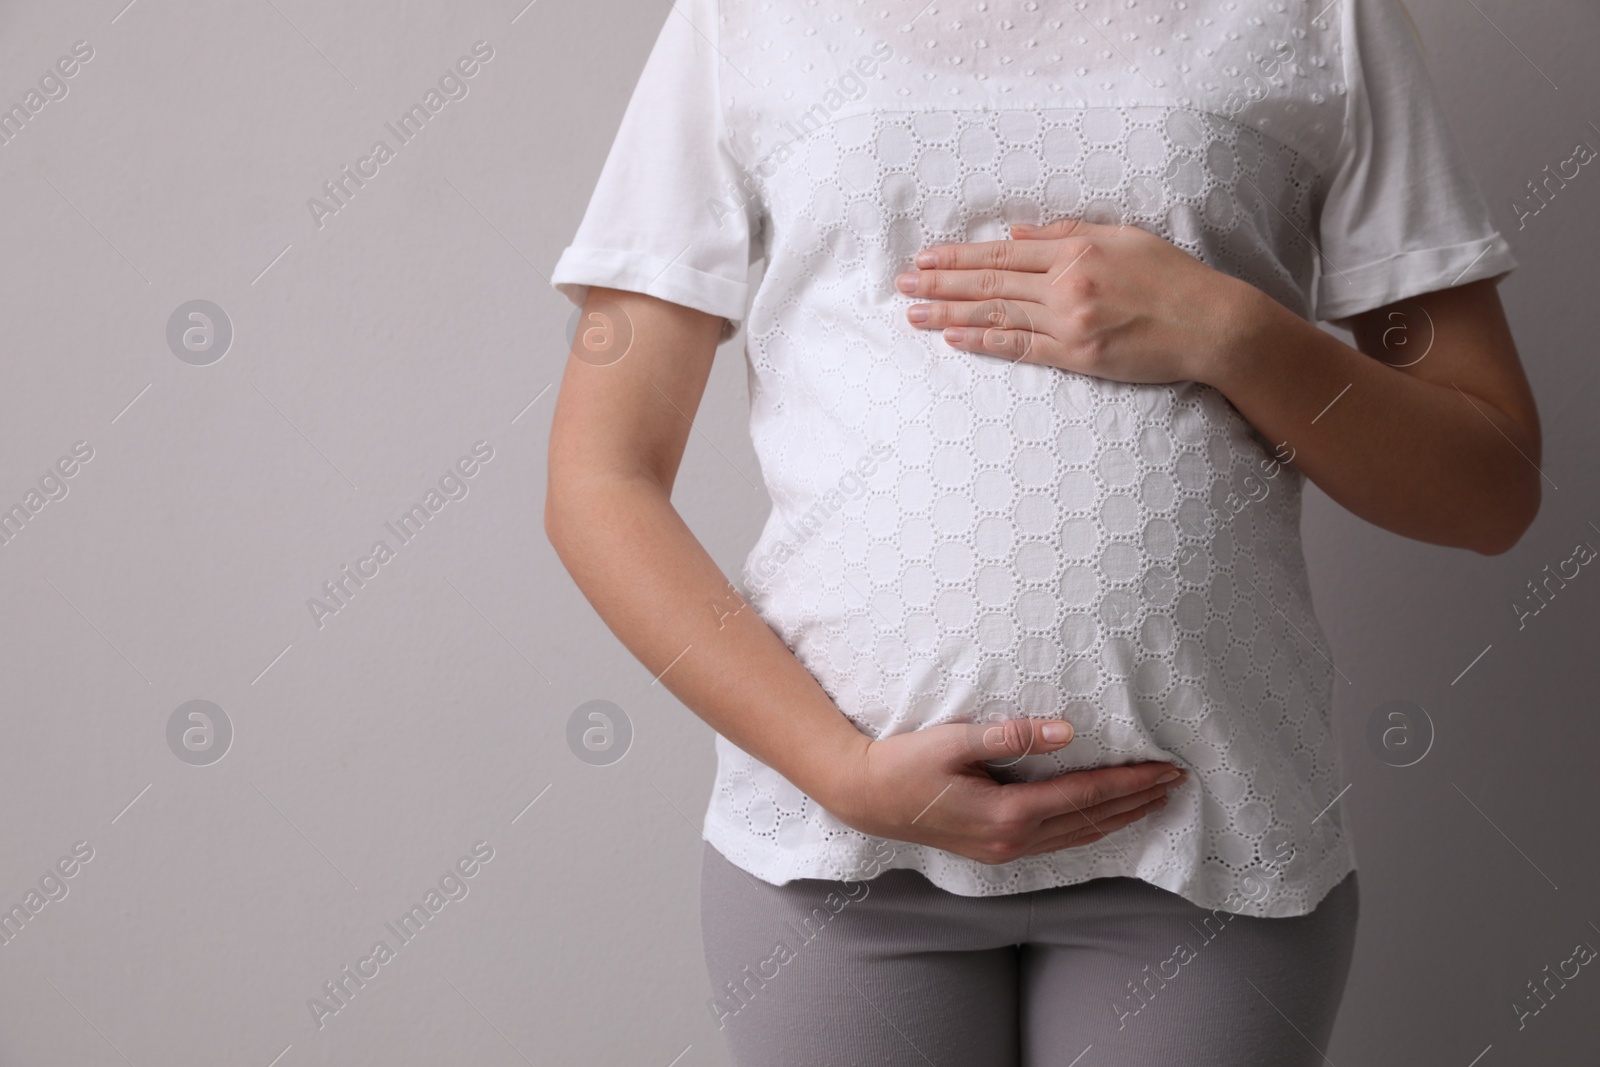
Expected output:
{"points": [[1029, 541]]}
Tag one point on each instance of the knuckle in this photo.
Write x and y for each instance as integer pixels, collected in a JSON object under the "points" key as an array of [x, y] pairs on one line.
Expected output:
{"points": [[1002, 850], [989, 738], [1025, 344], [999, 255], [1093, 793], [1079, 285], [1091, 353], [993, 739], [988, 282], [995, 313], [1016, 735], [1009, 822], [1080, 321]]}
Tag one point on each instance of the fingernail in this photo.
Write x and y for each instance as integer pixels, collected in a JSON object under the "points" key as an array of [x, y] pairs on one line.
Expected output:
{"points": [[1169, 776], [927, 259], [1056, 731], [906, 283], [955, 335], [917, 313]]}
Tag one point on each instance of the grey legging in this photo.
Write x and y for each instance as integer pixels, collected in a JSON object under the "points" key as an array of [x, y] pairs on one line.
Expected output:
{"points": [[1113, 972]]}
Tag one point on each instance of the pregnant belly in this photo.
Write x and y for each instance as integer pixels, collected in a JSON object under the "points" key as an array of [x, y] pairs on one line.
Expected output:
{"points": [[1039, 543]]}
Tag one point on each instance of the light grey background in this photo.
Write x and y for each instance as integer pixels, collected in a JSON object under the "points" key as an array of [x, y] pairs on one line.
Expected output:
{"points": [[371, 753]]}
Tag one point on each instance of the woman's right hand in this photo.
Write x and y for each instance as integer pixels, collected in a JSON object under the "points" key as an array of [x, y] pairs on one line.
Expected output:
{"points": [[930, 787]]}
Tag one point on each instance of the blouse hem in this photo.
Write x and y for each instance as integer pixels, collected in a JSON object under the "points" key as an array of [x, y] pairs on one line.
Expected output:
{"points": [[756, 856]]}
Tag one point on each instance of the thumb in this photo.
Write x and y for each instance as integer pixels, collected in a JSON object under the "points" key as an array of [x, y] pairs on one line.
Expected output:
{"points": [[1011, 739]]}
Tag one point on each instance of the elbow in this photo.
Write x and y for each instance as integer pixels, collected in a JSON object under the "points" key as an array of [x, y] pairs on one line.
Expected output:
{"points": [[560, 513], [564, 525], [1516, 509], [585, 503], [552, 521], [1515, 491]]}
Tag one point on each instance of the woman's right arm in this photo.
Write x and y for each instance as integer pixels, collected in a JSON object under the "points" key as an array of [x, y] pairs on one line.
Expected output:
{"points": [[617, 441]]}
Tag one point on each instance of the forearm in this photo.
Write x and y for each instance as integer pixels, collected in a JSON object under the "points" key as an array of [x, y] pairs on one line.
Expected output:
{"points": [[1426, 460], [656, 587]]}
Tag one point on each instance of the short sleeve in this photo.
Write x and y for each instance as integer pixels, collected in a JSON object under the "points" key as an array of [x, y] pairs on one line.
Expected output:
{"points": [[671, 215], [1401, 214]]}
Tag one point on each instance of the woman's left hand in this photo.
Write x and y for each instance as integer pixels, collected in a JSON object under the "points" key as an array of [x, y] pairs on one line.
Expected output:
{"points": [[1114, 302]]}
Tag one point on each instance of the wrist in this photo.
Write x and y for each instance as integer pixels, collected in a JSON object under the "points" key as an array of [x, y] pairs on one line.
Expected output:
{"points": [[1236, 321], [831, 769]]}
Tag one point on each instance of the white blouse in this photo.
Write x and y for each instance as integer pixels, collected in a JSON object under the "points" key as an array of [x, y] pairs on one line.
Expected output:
{"points": [[961, 538]]}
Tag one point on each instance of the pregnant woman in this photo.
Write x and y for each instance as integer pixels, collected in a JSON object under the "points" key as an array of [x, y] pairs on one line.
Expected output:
{"points": [[1025, 746]]}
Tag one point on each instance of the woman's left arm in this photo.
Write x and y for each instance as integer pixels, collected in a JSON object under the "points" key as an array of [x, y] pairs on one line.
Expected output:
{"points": [[1443, 448]]}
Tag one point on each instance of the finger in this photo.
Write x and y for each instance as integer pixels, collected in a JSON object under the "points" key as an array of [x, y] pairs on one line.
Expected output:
{"points": [[1012, 739], [1089, 818], [1079, 838], [992, 314], [1069, 841], [1015, 345], [1084, 790], [983, 283], [991, 255]]}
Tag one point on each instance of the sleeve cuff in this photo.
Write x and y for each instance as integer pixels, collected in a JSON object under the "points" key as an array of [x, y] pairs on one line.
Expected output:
{"points": [[1345, 291], [579, 268]]}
